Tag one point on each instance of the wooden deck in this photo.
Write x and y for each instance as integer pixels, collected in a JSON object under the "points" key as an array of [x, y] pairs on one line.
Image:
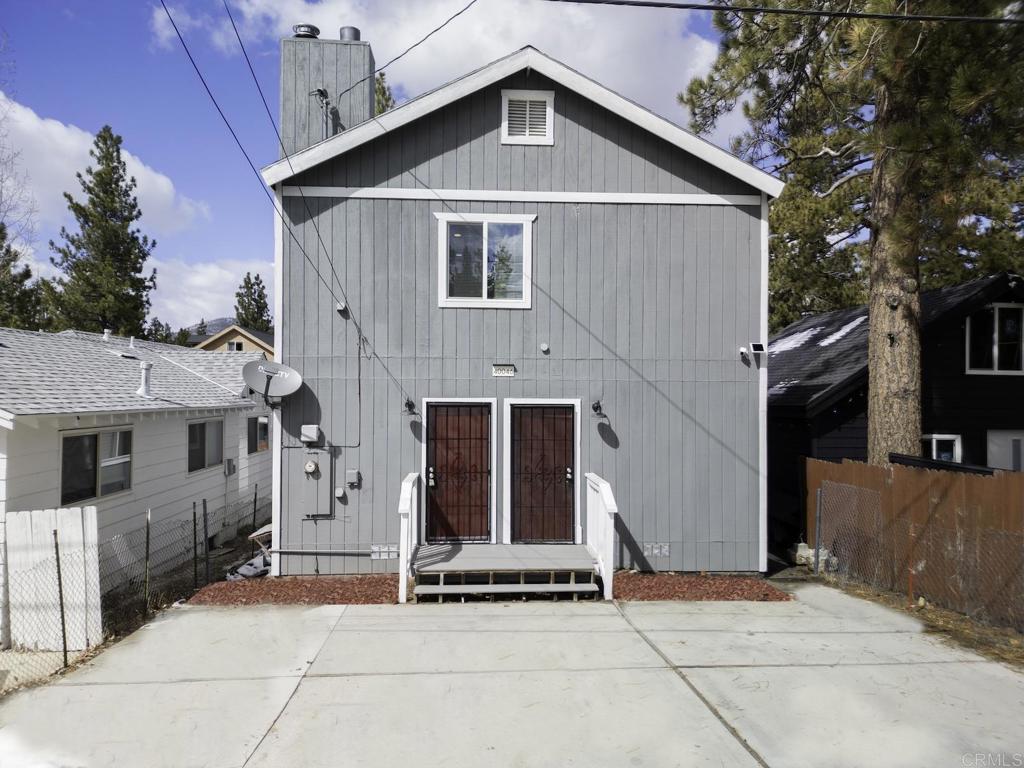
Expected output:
{"points": [[519, 558]]}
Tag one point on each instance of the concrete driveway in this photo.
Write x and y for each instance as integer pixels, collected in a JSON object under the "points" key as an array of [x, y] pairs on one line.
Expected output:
{"points": [[824, 680]]}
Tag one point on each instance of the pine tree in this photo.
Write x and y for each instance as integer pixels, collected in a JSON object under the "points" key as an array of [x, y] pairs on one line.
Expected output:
{"points": [[104, 284], [900, 143], [383, 99], [252, 309], [19, 297], [200, 327]]}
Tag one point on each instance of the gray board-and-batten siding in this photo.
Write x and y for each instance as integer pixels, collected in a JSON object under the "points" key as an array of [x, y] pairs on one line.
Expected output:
{"points": [[644, 308]]}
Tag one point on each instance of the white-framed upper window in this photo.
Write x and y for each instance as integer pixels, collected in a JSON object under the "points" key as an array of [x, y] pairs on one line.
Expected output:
{"points": [[485, 260], [995, 343], [527, 117], [95, 464], [205, 444], [941, 447], [235, 346]]}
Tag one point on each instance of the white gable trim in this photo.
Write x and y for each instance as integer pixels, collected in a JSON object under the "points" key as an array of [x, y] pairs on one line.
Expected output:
{"points": [[527, 57]]}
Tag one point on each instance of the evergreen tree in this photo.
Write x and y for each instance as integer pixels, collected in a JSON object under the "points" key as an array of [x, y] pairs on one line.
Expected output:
{"points": [[383, 100], [104, 284], [158, 331], [200, 327], [901, 145], [19, 297], [252, 309]]}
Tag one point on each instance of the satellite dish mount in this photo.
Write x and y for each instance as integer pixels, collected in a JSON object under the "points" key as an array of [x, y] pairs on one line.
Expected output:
{"points": [[273, 381]]}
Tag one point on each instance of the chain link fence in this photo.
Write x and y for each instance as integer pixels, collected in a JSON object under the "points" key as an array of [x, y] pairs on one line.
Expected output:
{"points": [[58, 613], [924, 534]]}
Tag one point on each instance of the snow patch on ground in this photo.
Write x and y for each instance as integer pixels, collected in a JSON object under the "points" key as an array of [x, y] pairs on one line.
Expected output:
{"points": [[794, 341], [842, 332]]}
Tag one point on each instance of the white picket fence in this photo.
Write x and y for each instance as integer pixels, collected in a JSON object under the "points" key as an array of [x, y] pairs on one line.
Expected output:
{"points": [[30, 602]]}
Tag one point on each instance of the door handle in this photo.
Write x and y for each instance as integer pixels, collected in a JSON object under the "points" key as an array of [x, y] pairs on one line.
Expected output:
{"points": [[568, 474], [431, 482]]}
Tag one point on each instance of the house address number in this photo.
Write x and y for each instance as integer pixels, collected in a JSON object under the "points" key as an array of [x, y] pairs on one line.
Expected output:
{"points": [[507, 369]]}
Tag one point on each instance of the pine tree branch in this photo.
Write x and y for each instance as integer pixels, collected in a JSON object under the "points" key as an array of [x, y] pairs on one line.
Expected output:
{"points": [[842, 181]]}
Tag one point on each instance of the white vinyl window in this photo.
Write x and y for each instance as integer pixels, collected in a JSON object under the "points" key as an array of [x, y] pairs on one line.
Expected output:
{"points": [[484, 260], [259, 433], [527, 117], [941, 447], [234, 346], [995, 343], [205, 444], [95, 464]]}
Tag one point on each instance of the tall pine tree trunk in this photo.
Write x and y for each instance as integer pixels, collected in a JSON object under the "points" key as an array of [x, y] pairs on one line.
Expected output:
{"points": [[894, 337]]}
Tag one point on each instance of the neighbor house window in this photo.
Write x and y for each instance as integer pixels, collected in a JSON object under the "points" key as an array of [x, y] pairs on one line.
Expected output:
{"points": [[941, 447], [258, 434], [995, 343], [205, 444], [95, 464], [234, 346], [527, 117], [484, 260]]}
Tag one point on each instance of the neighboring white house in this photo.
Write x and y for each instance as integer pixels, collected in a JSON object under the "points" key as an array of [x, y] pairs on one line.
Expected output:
{"points": [[126, 425]]}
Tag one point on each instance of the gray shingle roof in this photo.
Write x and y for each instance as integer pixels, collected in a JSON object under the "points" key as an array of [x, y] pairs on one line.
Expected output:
{"points": [[817, 359], [78, 372]]}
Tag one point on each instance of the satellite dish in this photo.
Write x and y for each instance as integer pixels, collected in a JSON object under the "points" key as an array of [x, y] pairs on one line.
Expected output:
{"points": [[271, 379]]}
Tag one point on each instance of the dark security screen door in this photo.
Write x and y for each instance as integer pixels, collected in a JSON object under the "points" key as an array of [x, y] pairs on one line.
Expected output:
{"points": [[543, 471], [458, 472]]}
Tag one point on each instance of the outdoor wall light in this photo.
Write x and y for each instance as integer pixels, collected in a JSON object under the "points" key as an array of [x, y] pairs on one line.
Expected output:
{"points": [[598, 409], [410, 406]]}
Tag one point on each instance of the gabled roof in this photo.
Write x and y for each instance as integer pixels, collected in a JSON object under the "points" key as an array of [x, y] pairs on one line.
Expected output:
{"points": [[261, 338], [79, 372], [821, 358], [528, 57]]}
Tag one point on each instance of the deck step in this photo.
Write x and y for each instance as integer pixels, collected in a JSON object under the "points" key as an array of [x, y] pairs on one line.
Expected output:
{"points": [[499, 589]]}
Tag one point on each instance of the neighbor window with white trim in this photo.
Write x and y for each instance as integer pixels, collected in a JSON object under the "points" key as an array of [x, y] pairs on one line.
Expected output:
{"points": [[205, 444], [258, 433], [95, 464], [234, 346], [941, 447], [995, 343], [527, 117], [485, 260]]}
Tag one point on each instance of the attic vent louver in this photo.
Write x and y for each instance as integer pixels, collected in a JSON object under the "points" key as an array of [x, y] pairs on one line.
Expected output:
{"points": [[527, 117]]}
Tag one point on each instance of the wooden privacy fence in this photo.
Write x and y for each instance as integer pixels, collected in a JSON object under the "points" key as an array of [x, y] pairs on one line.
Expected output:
{"points": [[956, 539]]}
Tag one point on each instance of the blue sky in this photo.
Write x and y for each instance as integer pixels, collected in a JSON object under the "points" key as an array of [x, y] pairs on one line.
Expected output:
{"points": [[80, 65]]}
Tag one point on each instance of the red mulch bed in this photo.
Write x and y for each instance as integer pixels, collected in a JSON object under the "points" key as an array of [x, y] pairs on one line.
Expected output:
{"points": [[630, 585], [301, 590]]}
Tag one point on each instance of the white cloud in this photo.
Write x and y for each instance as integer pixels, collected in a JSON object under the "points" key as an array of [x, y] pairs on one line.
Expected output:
{"points": [[647, 55], [51, 152], [187, 292]]}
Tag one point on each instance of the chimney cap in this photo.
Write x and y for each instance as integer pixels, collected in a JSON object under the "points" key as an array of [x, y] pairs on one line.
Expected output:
{"points": [[306, 30], [349, 34]]}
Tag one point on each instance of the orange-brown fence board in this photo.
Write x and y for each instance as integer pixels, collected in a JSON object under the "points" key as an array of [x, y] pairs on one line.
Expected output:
{"points": [[955, 539]]}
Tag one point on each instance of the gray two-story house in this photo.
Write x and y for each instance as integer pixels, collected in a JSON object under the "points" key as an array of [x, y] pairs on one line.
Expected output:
{"points": [[526, 310]]}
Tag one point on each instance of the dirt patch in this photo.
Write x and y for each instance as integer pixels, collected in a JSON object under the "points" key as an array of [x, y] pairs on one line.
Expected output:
{"points": [[996, 643], [632, 585], [301, 590]]}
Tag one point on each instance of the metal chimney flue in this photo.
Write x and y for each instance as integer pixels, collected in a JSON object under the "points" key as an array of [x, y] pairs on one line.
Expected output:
{"points": [[147, 370], [306, 30], [106, 334], [349, 34]]}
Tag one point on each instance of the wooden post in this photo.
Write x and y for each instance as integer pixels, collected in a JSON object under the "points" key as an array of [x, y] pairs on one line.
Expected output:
{"points": [[817, 530], [60, 598], [206, 541], [145, 593]]}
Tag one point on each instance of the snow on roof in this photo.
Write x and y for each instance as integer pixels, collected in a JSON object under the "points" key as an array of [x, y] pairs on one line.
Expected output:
{"points": [[830, 340], [793, 341]]}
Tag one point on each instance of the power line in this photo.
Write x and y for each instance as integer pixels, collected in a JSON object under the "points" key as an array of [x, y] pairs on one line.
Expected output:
{"points": [[256, 173], [799, 11], [419, 42]]}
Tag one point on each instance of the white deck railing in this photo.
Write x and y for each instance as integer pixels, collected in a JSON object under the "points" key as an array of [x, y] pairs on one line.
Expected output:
{"points": [[408, 504], [601, 513]]}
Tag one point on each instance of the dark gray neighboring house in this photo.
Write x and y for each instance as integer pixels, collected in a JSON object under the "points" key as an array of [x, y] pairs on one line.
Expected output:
{"points": [[542, 282]]}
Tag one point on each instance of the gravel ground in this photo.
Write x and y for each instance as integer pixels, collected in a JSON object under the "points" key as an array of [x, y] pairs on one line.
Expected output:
{"points": [[631, 585], [301, 590]]}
